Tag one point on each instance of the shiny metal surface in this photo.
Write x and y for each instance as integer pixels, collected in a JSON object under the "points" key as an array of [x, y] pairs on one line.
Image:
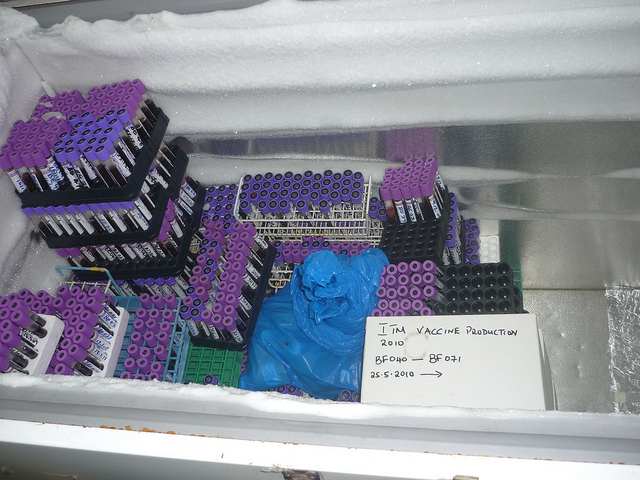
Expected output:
{"points": [[567, 195], [576, 333], [624, 345]]}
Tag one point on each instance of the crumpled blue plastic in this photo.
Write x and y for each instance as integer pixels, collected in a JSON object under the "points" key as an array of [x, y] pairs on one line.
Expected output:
{"points": [[311, 333]]}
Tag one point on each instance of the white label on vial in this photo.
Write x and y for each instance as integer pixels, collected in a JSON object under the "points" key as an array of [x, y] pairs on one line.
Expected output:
{"points": [[17, 181], [87, 253], [106, 253], [249, 281], [36, 181], [52, 224], [85, 223], [80, 176], [186, 198], [190, 191], [143, 209], [445, 256], [117, 253], [159, 250], [117, 220], [416, 207], [108, 317], [104, 222], [402, 217], [236, 335], [434, 206], [411, 212], [64, 224], [29, 337], [205, 329], [456, 254], [245, 303], [252, 270], [100, 342], [176, 228], [260, 241], [139, 218], [91, 172], [127, 152], [49, 178], [213, 332], [193, 328], [149, 250], [154, 177], [71, 175], [74, 223], [120, 165], [165, 289], [185, 206], [133, 135], [58, 175], [129, 251], [182, 282], [102, 332], [139, 251], [97, 352]]}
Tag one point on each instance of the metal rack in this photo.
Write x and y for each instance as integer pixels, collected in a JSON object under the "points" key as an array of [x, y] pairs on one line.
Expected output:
{"points": [[344, 221], [105, 285]]}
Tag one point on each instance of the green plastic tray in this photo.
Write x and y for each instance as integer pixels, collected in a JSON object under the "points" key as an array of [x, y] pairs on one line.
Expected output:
{"points": [[224, 364]]}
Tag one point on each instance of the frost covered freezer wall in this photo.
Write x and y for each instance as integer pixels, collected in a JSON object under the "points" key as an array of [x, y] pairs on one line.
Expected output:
{"points": [[293, 68], [537, 110]]}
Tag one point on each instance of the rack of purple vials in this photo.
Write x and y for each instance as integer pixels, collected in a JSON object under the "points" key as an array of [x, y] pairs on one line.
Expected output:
{"points": [[408, 289], [75, 145], [99, 183], [413, 192], [157, 341], [227, 285], [91, 331], [292, 205]]}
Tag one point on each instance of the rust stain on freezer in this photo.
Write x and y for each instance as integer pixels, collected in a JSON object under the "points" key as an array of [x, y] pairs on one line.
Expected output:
{"points": [[129, 428]]}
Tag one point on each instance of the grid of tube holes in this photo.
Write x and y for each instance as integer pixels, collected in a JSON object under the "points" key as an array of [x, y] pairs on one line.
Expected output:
{"points": [[349, 222]]}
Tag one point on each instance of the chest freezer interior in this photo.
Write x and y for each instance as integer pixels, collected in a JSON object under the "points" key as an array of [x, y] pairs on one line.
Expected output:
{"points": [[542, 152]]}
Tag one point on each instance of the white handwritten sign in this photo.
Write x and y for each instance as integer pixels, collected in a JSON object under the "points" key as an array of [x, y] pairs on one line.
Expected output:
{"points": [[486, 361]]}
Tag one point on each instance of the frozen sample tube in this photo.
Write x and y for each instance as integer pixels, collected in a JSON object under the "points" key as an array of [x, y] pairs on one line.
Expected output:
{"points": [[16, 342], [432, 293], [27, 323]]}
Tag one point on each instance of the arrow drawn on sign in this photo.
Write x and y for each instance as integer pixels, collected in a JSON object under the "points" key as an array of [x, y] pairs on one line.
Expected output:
{"points": [[437, 374]]}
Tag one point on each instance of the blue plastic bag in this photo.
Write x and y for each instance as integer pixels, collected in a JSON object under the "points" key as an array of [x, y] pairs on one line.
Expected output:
{"points": [[311, 333]]}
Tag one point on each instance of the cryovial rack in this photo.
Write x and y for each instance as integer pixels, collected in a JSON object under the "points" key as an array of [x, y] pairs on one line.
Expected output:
{"points": [[167, 267], [224, 364], [119, 194], [201, 340], [179, 344], [481, 288], [160, 197], [347, 222]]}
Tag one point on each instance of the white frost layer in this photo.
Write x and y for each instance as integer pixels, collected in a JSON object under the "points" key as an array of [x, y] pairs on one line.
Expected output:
{"points": [[286, 65], [230, 401]]}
